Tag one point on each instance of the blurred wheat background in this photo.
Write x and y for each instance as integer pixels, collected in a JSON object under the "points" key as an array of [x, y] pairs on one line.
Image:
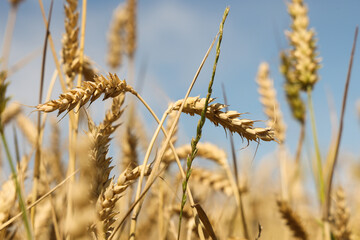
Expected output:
{"points": [[267, 137]]}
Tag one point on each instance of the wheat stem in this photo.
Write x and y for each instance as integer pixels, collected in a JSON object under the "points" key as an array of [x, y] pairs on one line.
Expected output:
{"points": [[152, 176], [17, 185], [201, 123], [317, 149]]}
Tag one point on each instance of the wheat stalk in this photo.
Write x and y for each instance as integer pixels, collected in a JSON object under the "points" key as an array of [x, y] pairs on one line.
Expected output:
{"points": [[227, 119]]}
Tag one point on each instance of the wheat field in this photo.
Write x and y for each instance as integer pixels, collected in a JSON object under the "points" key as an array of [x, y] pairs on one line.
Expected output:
{"points": [[94, 156]]}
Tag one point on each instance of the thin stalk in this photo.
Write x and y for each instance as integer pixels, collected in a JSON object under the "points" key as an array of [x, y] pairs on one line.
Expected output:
{"points": [[334, 160], [75, 121], [36, 175], [236, 186], [162, 151], [201, 123], [320, 176], [18, 189], [10, 221], [8, 36], [300, 144], [53, 51], [283, 172]]}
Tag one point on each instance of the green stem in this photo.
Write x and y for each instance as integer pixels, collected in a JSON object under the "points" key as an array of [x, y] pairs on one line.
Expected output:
{"points": [[201, 123], [17, 186], [317, 149]]}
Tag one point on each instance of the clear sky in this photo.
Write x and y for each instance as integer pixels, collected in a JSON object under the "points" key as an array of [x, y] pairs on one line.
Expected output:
{"points": [[173, 37]]}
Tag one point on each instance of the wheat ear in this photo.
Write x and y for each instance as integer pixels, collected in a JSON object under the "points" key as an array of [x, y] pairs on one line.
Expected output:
{"points": [[205, 150], [111, 86], [292, 88], [106, 202], [227, 119], [303, 41], [117, 36], [70, 40], [292, 220], [214, 180], [341, 229], [10, 112], [268, 99]]}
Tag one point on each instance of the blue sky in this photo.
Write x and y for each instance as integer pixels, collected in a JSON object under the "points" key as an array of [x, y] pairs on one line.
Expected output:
{"points": [[173, 38]]}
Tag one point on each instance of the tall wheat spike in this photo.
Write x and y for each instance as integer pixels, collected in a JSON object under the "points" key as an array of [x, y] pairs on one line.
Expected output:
{"points": [[340, 226], [292, 89], [70, 40], [292, 220], [117, 36], [303, 41], [131, 28], [268, 99]]}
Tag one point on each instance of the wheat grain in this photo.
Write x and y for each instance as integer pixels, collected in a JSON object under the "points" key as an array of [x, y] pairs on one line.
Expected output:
{"points": [[99, 147], [303, 41], [131, 28], [229, 119], [128, 147], [88, 69], [28, 128], [205, 150], [70, 40], [54, 161], [105, 205], [211, 179], [292, 220], [15, 3], [292, 89], [341, 229], [10, 112], [111, 86], [117, 36], [270, 103]]}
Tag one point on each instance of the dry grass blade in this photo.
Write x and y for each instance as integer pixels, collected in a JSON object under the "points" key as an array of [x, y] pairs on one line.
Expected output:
{"points": [[332, 164], [228, 119], [205, 220]]}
